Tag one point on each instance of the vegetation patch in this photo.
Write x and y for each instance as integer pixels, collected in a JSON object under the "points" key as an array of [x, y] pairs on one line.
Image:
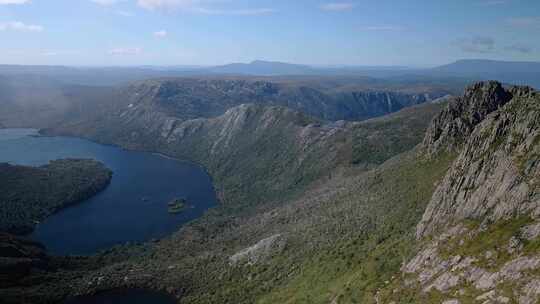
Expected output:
{"points": [[30, 194]]}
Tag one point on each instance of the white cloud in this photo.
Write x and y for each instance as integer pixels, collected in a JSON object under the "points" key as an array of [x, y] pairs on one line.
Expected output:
{"points": [[524, 21], [200, 7], [478, 44], [338, 6], [107, 2], [238, 12], [20, 27], [167, 4], [160, 34], [126, 51], [493, 2], [125, 13], [519, 48], [4, 2]]}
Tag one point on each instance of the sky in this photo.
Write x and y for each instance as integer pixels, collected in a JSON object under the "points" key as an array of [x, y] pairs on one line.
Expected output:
{"points": [[415, 33]]}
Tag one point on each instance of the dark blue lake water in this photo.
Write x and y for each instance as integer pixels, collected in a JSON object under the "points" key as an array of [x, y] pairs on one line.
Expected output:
{"points": [[133, 208], [128, 296]]}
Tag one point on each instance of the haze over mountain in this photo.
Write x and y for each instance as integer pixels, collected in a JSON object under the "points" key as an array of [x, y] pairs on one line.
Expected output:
{"points": [[269, 152], [526, 73]]}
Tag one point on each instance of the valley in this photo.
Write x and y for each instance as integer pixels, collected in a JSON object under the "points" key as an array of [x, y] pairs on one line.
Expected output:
{"points": [[315, 210], [269, 152]]}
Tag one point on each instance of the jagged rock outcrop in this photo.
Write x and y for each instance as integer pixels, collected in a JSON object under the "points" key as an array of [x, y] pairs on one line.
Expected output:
{"points": [[481, 229], [495, 176], [454, 124]]}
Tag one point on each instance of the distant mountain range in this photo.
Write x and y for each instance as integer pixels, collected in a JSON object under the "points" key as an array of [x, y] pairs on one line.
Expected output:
{"points": [[515, 72], [523, 73]]}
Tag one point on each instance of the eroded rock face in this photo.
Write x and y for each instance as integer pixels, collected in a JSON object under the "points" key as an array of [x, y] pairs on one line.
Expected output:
{"points": [[452, 126], [496, 174], [447, 265], [480, 228]]}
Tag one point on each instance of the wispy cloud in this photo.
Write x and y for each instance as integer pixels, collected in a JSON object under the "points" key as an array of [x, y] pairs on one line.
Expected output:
{"points": [[388, 28], [125, 13], [107, 2], [493, 2], [478, 44], [20, 27], [338, 6], [160, 34], [524, 21], [200, 6], [167, 4], [238, 12], [52, 53], [5, 2], [519, 48], [126, 51]]}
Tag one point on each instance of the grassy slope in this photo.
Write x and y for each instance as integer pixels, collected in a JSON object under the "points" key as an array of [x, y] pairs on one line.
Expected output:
{"points": [[353, 268], [318, 204], [327, 210], [330, 226]]}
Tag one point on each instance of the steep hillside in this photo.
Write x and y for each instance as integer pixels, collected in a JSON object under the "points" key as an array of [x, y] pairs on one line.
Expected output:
{"points": [[263, 159], [29, 194], [33, 101], [344, 212], [195, 98], [480, 231], [340, 217], [255, 152]]}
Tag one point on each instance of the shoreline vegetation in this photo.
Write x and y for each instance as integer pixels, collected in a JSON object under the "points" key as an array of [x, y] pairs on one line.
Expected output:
{"points": [[31, 194]]}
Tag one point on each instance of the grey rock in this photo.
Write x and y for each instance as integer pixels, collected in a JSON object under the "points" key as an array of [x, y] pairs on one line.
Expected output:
{"points": [[488, 180], [531, 232], [258, 252], [530, 294]]}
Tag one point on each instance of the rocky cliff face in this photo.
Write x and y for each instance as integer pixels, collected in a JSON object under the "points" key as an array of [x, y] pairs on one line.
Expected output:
{"points": [[205, 98], [453, 125], [496, 173], [480, 228]]}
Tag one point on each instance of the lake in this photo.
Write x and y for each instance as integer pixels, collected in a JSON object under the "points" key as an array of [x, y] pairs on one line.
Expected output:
{"points": [[133, 208]]}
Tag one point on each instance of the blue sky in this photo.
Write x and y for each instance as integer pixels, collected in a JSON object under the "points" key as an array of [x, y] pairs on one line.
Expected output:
{"points": [[209, 32]]}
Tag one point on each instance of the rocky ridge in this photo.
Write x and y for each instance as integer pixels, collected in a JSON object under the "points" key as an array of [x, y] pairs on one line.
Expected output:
{"points": [[480, 229], [188, 98]]}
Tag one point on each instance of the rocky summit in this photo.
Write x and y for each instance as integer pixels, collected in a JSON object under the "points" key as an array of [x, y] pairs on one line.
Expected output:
{"points": [[479, 234]]}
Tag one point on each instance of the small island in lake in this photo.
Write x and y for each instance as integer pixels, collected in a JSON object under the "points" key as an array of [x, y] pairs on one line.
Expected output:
{"points": [[177, 206]]}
